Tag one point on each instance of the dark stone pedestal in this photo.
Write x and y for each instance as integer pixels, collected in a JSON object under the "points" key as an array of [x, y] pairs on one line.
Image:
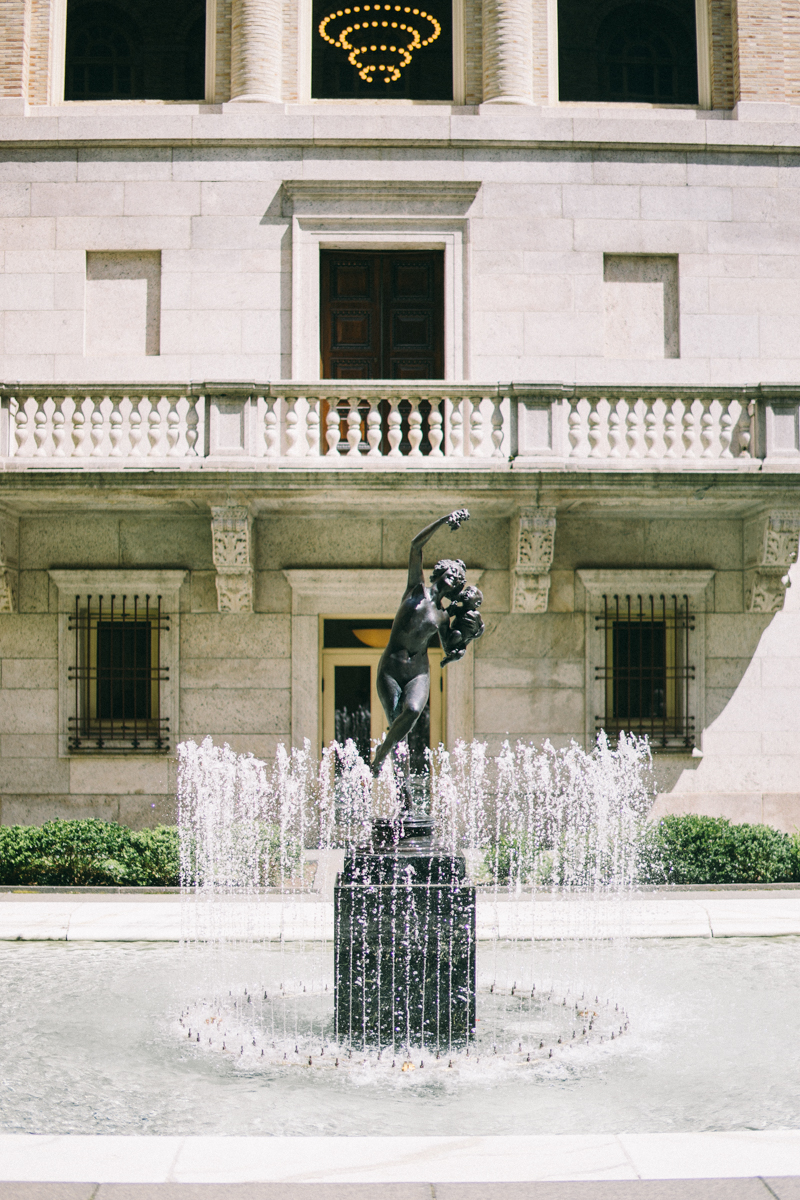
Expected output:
{"points": [[404, 944]]}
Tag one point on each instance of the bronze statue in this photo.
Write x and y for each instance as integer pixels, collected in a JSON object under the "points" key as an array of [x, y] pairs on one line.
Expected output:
{"points": [[403, 673]]}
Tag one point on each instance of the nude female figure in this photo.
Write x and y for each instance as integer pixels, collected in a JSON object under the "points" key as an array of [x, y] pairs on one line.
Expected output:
{"points": [[403, 673]]}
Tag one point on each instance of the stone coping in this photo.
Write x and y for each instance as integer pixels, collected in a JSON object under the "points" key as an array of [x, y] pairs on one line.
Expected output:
{"points": [[783, 1188], [310, 918], [773, 128], [426, 1161]]}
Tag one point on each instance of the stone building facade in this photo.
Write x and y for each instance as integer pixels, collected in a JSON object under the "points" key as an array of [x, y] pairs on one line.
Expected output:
{"points": [[613, 319]]}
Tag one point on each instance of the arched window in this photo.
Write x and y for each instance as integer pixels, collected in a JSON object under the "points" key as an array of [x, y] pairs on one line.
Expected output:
{"points": [[135, 50], [638, 52]]}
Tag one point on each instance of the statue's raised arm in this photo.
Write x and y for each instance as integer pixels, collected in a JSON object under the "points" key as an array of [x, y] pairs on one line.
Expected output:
{"points": [[403, 680]]}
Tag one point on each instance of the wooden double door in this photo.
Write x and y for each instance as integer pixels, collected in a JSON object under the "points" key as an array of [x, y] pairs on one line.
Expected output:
{"points": [[382, 314]]}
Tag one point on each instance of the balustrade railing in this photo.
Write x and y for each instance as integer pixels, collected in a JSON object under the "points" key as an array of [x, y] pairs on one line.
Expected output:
{"points": [[395, 424]]}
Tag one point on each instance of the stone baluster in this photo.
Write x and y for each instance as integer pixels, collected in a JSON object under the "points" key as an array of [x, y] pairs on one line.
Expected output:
{"points": [[154, 428], [79, 428], [353, 428], [374, 429], [707, 432], [508, 52], [578, 432], [673, 431], [476, 432], [192, 421], [497, 428], [173, 428], [414, 427], [256, 50], [691, 433], [59, 427], [21, 428], [455, 440], [332, 431], [40, 428], [271, 430], [97, 427], [395, 432], [135, 431], [726, 424], [312, 427], [292, 425], [651, 432], [115, 430], [595, 431], [633, 431], [745, 430], [435, 432], [616, 434]]}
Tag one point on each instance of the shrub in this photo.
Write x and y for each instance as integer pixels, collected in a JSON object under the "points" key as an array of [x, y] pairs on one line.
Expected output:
{"points": [[69, 853], [695, 849]]}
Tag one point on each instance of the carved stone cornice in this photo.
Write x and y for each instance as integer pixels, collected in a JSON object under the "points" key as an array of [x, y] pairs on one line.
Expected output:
{"points": [[362, 197], [771, 543], [231, 545], [532, 557]]}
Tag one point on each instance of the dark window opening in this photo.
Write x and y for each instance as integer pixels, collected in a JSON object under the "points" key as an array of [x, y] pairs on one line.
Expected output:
{"points": [[352, 707], [116, 675], [135, 50], [636, 52], [647, 669], [382, 51]]}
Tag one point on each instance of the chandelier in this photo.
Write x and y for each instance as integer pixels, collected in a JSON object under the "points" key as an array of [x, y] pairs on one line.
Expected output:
{"points": [[379, 38]]}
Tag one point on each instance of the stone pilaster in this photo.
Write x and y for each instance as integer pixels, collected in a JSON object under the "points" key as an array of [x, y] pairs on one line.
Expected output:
{"points": [[9, 563], [256, 50], [231, 543], [508, 75], [771, 542], [534, 535]]}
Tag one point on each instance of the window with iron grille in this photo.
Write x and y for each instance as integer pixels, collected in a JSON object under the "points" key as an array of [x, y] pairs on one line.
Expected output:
{"points": [[647, 670], [116, 674]]}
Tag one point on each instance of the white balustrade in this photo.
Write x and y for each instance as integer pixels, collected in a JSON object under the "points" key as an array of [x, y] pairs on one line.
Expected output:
{"points": [[364, 424]]}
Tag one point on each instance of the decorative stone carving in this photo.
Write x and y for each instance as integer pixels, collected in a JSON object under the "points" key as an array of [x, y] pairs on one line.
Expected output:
{"points": [[231, 529], [9, 563], [773, 543], [532, 557]]}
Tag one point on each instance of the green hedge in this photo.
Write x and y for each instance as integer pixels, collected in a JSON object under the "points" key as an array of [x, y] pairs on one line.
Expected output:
{"points": [[694, 849], [89, 852]]}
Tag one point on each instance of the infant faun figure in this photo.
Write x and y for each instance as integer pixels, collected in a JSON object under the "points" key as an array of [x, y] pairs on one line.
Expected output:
{"points": [[466, 623]]}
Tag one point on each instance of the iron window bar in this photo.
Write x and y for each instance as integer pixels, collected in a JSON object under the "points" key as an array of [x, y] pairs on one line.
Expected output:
{"points": [[116, 675], [647, 669]]}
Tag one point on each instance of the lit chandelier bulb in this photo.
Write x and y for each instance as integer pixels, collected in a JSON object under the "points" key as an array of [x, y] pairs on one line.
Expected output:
{"points": [[415, 29]]}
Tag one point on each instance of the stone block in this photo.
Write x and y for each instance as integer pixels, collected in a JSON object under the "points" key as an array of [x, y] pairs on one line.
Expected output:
{"points": [[214, 673], [703, 543], [52, 164], [331, 541], [29, 673], [239, 162], [742, 808], [253, 710], [28, 710], [39, 332], [203, 591], [76, 199], [608, 543], [130, 775], [123, 302], [23, 636], [34, 592], [528, 673], [611, 202], [495, 588], [252, 198], [124, 163], [502, 334], [273, 592], [161, 198], [710, 336], [29, 291], [525, 293], [28, 745], [632, 167], [64, 541], [725, 672], [580, 334], [498, 710], [37, 776], [235, 635], [27, 233], [180, 542], [123, 233], [717, 700], [734, 636], [220, 332], [687, 203], [145, 812], [551, 234], [262, 331], [562, 592], [781, 810], [24, 809], [481, 542], [641, 237], [522, 201], [262, 745], [554, 635], [230, 232], [779, 673], [728, 594]]}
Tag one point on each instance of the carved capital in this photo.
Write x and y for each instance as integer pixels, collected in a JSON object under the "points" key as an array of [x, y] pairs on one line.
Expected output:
{"points": [[772, 541], [9, 563], [231, 530], [532, 556]]}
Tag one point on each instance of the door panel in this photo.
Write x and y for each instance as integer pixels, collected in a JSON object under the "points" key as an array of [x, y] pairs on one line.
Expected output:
{"points": [[382, 314]]}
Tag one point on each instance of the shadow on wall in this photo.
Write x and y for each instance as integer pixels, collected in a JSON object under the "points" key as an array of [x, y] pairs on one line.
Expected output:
{"points": [[750, 765]]}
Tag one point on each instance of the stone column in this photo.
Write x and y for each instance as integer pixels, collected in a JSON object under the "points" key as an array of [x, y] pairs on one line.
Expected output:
{"points": [[231, 530], [508, 68], [256, 50]]}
